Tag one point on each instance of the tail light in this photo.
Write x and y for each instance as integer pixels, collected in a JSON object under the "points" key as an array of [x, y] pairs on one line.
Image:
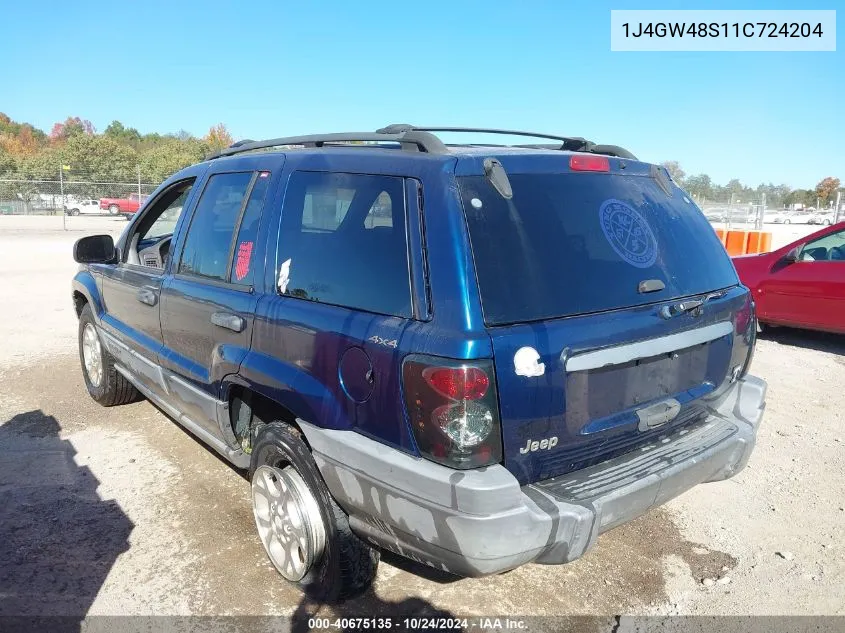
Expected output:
{"points": [[751, 337], [453, 410], [745, 339]]}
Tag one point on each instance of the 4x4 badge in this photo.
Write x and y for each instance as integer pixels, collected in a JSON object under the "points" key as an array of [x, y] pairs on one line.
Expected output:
{"points": [[383, 341]]}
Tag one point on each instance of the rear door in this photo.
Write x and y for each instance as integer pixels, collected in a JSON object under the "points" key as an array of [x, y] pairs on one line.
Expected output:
{"points": [[811, 291], [208, 303], [612, 308], [343, 302]]}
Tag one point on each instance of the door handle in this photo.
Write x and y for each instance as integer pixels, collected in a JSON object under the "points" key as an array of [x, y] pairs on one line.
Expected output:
{"points": [[229, 321], [147, 295]]}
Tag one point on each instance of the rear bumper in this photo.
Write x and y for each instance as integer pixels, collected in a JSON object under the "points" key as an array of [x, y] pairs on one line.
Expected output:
{"points": [[479, 522]]}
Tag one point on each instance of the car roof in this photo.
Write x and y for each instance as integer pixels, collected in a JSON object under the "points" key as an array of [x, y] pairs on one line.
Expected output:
{"points": [[462, 160], [418, 141]]}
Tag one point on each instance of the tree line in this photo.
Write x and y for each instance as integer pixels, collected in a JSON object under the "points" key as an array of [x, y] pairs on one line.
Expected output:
{"points": [[123, 154], [702, 187], [118, 154]]}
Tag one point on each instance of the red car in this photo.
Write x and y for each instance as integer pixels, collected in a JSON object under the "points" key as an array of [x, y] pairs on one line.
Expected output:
{"points": [[126, 206], [802, 284]]}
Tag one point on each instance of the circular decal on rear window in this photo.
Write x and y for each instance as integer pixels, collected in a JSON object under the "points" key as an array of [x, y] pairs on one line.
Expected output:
{"points": [[628, 233]]}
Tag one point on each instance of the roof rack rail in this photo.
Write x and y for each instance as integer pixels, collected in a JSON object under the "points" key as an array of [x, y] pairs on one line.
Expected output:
{"points": [[418, 139], [412, 140], [568, 143], [572, 143]]}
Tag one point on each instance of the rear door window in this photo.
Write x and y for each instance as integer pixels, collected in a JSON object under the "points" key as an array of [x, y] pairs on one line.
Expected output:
{"points": [[569, 244], [243, 259], [230, 208], [343, 241]]}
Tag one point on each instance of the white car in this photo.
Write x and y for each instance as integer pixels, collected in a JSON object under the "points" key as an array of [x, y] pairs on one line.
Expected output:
{"points": [[83, 207], [781, 217], [822, 217]]}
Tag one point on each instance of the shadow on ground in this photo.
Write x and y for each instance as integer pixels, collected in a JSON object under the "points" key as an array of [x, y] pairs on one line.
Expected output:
{"points": [[807, 339], [58, 538]]}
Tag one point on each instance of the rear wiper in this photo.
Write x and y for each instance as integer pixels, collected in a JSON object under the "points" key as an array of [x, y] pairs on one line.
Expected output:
{"points": [[689, 305]]}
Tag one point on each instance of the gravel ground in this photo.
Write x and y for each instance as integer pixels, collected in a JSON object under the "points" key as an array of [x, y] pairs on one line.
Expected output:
{"points": [[118, 511]]}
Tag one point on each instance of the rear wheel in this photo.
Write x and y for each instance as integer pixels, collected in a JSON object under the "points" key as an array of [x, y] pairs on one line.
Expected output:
{"points": [[787, 221], [305, 533], [104, 383], [113, 209]]}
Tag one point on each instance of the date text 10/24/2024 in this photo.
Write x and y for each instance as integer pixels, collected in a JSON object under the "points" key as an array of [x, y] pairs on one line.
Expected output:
{"points": [[417, 624]]}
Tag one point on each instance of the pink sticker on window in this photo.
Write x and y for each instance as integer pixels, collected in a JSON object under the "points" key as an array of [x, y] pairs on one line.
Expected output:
{"points": [[244, 257]]}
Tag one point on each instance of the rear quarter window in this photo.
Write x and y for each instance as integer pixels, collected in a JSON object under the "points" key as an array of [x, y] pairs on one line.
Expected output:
{"points": [[343, 241]]}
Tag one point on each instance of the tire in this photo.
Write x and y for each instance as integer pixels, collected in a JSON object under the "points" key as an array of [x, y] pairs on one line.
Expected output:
{"points": [[75, 212], [787, 222], [114, 209], [112, 388], [346, 565]]}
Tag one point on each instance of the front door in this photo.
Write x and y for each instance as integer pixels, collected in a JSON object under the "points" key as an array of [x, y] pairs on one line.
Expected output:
{"points": [[131, 289], [811, 291], [207, 304]]}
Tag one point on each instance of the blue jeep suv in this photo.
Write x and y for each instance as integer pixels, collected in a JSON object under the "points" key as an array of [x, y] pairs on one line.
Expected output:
{"points": [[476, 356]]}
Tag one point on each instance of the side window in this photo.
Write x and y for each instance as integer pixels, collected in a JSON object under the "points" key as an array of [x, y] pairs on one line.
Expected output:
{"points": [[165, 223], [831, 247], [343, 241], [381, 213], [151, 237], [241, 271], [208, 244]]}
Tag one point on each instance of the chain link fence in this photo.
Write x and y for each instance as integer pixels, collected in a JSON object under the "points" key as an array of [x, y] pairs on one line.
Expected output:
{"points": [[734, 212], [74, 194]]}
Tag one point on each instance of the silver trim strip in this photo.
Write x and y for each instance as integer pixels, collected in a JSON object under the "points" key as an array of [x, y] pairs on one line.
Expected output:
{"points": [[236, 457], [189, 387], [644, 349]]}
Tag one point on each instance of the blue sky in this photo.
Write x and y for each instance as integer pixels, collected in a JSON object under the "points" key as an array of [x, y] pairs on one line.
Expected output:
{"points": [[270, 69]]}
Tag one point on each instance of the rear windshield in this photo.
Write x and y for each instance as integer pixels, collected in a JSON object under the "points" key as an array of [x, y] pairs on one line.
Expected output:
{"points": [[569, 244]]}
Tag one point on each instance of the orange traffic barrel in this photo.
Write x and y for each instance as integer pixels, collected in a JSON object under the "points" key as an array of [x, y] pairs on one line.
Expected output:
{"points": [[753, 244], [736, 243], [720, 233], [758, 242]]}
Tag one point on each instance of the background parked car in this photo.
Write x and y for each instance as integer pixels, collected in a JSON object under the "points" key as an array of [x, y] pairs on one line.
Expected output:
{"points": [[126, 206], [789, 217], [83, 207], [716, 214], [802, 284], [824, 218]]}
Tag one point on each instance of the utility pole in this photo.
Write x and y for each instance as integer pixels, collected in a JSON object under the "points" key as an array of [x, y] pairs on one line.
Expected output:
{"points": [[139, 184], [62, 192], [838, 204]]}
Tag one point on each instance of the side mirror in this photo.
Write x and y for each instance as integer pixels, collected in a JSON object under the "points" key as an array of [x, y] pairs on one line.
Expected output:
{"points": [[792, 256], [94, 249]]}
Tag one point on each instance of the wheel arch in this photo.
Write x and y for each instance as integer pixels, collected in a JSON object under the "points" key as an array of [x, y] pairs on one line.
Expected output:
{"points": [[250, 407], [85, 292]]}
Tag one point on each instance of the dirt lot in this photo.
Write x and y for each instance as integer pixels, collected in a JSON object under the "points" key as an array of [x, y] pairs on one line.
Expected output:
{"points": [[118, 511]]}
